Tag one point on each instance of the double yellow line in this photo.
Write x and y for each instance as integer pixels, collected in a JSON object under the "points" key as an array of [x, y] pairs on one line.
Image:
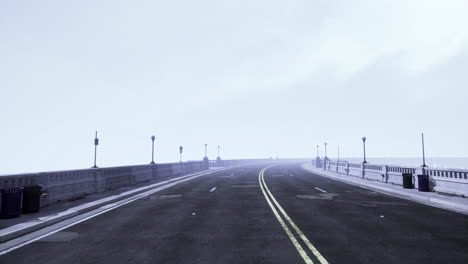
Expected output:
{"points": [[271, 200]]}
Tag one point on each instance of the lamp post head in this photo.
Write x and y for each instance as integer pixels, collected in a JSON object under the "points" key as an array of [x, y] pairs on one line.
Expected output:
{"points": [[153, 138], [181, 149], [364, 139]]}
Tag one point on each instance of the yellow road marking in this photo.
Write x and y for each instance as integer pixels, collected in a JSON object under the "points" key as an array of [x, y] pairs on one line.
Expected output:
{"points": [[291, 222], [283, 224]]}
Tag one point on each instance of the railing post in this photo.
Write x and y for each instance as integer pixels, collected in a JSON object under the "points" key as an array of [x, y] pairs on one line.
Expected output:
{"points": [[99, 180], [347, 168], [384, 173]]}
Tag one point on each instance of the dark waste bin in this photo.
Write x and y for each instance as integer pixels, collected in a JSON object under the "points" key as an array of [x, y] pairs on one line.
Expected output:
{"points": [[32, 198], [423, 183], [407, 180], [11, 202]]}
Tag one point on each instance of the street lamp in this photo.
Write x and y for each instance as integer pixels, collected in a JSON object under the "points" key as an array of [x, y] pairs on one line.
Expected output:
{"points": [[424, 155], [325, 149], [96, 143], [364, 145], [218, 159], [152, 153], [206, 150], [180, 153]]}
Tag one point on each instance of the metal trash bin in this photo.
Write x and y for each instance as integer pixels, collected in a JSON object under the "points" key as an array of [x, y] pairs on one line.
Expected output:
{"points": [[423, 183], [32, 198], [407, 180], [11, 202]]}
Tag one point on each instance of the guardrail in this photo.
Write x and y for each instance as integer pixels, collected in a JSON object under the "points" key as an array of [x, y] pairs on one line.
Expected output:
{"points": [[450, 181]]}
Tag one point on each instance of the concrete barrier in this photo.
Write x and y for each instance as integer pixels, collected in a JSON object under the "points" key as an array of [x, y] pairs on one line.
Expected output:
{"points": [[74, 184]]}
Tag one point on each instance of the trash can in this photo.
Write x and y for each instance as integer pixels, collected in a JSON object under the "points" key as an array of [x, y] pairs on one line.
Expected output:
{"points": [[407, 180], [423, 183], [32, 198], [11, 202]]}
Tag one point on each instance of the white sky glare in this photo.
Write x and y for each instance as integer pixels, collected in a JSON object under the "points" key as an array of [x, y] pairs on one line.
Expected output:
{"points": [[252, 76]]}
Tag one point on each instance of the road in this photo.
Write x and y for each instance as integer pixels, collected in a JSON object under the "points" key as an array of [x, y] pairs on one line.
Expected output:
{"points": [[259, 214]]}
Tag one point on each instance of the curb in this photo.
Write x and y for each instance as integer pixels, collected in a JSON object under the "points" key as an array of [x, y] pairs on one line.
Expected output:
{"points": [[439, 203], [41, 222]]}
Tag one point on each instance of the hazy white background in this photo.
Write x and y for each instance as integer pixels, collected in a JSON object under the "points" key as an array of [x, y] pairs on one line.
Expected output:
{"points": [[252, 76]]}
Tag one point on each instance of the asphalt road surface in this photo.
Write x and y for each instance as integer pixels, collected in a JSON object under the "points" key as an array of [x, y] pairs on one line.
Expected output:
{"points": [[281, 214]]}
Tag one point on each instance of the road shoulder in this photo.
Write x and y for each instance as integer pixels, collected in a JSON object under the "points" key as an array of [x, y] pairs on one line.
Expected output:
{"points": [[456, 204]]}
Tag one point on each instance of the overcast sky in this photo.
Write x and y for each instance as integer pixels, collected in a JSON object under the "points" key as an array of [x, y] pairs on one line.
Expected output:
{"points": [[252, 76]]}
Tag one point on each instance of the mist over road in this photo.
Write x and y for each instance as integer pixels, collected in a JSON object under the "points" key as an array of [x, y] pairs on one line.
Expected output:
{"points": [[259, 214]]}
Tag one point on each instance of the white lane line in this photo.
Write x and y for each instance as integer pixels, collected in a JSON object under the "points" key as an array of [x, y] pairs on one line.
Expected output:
{"points": [[213, 189], [170, 196], [320, 190]]}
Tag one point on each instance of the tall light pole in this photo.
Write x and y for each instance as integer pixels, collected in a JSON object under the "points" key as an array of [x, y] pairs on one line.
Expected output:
{"points": [[152, 152], [206, 150], [96, 143], [325, 149], [180, 153], [218, 151], [364, 145], [424, 155]]}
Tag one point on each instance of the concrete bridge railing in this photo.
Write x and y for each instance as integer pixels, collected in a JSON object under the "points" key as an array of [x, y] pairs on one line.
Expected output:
{"points": [[450, 181], [73, 184]]}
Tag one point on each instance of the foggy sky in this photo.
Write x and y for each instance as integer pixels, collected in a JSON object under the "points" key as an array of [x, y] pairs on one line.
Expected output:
{"points": [[252, 76]]}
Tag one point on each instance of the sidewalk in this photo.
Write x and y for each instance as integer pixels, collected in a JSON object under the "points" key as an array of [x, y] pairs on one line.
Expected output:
{"points": [[452, 203], [51, 214]]}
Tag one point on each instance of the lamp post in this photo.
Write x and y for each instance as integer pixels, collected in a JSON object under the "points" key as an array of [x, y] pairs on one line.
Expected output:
{"points": [[218, 159], [206, 150], [364, 145], [424, 155], [96, 143], [325, 149], [180, 153], [152, 149]]}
